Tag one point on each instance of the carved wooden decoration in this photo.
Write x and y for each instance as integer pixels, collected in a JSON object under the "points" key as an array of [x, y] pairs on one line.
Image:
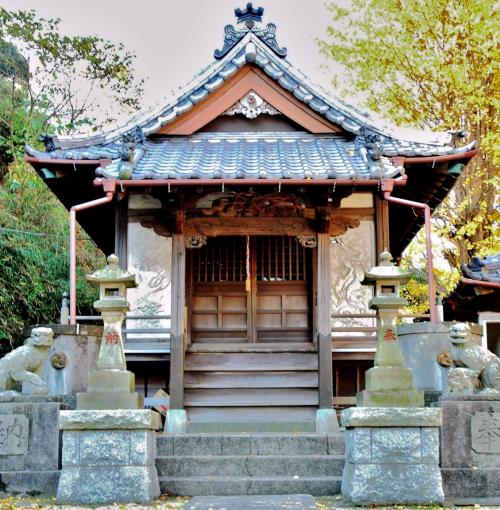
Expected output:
{"points": [[250, 204], [195, 241], [339, 224], [160, 226], [308, 241], [248, 226]]}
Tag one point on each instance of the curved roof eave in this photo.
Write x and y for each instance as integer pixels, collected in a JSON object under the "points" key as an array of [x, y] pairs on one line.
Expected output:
{"points": [[336, 111]]}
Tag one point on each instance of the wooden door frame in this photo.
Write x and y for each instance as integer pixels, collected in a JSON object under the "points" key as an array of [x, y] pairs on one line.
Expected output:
{"points": [[252, 297]]}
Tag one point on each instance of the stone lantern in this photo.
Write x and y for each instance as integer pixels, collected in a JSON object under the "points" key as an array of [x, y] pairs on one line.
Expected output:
{"points": [[111, 385], [389, 383]]}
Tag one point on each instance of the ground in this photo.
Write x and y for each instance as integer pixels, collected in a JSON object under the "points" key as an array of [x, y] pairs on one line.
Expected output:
{"points": [[172, 503]]}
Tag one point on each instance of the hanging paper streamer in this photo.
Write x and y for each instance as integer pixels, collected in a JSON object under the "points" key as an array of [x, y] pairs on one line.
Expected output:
{"points": [[247, 267]]}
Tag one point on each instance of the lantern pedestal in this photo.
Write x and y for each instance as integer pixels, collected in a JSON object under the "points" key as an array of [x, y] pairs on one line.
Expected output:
{"points": [[392, 441], [110, 389]]}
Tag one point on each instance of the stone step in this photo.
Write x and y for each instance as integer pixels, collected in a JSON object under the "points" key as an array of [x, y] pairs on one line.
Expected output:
{"points": [[303, 466], [233, 485], [249, 444], [239, 427]]}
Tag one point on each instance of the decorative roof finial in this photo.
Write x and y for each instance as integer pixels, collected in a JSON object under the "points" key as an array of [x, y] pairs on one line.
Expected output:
{"points": [[250, 15]]}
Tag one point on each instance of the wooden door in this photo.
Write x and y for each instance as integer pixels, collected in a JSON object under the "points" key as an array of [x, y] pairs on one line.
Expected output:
{"points": [[250, 289], [220, 300], [283, 290]]}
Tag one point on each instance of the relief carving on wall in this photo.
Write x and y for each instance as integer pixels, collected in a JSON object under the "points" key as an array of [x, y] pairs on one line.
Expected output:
{"points": [[351, 255], [149, 257]]}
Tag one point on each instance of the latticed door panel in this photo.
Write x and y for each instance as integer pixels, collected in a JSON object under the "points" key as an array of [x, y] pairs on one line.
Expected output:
{"points": [[250, 290]]}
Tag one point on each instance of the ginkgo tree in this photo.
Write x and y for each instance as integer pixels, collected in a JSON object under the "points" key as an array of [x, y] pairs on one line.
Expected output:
{"points": [[431, 64]]}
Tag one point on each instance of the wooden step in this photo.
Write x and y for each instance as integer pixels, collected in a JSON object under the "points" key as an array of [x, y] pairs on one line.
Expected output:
{"points": [[251, 414], [271, 379], [251, 347], [250, 397], [249, 361]]}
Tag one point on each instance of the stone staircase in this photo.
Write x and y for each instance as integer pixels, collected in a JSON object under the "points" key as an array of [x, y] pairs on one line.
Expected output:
{"points": [[232, 464]]}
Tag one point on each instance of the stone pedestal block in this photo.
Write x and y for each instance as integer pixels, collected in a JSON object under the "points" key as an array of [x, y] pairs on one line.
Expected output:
{"points": [[29, 444], [470, 449], [110, 389], [392, 456], [108, 456]]}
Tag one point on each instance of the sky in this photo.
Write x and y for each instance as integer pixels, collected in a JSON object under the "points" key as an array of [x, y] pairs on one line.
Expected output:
{"points": [[174, 39]]}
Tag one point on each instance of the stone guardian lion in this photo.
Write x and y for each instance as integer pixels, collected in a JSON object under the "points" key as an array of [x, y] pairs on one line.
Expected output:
{"points": [[24, 365], [477, 368]]}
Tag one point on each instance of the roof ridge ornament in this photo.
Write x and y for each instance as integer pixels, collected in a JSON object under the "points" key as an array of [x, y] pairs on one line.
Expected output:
{"points": [[250, 16], [251, 105]]}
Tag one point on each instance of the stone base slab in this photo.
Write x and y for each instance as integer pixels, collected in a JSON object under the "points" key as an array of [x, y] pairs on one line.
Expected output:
{"points": [[390, 398], [388, 378], [383, 484], [290, 502], [34, 483], [29, 445], [97, 485], [392, 456], [110, 419], [470, 448], [108, 456], [466, 486], [391, 417], [109, 400]]}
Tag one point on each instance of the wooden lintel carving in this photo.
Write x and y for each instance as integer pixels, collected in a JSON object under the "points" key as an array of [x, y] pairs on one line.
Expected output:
{"points": [[195, 241], [340, 223], [248, 226], [232, 204], [159, 226], [308, 241]]}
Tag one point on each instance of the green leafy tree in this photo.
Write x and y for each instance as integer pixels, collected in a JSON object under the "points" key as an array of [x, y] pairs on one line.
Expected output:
{"points": [[432, 64], [49, 82]]}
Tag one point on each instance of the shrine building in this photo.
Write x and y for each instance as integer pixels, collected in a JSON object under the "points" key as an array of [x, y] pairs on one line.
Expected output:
{"points": [[249, 208]]}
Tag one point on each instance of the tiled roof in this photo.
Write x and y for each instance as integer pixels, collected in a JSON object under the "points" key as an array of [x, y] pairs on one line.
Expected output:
{"points": [[253, 156], [483, 269], [361, 153], [396, 141]]}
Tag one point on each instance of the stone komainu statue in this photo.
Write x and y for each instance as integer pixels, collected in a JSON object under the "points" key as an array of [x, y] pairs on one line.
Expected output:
{"points": [[476, 369], [24, 365]]}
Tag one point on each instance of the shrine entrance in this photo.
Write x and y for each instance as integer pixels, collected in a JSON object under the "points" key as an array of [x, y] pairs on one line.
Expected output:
{"points": [[250, 289]]}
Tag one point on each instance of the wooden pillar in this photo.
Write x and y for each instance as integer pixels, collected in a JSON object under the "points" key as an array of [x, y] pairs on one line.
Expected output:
{"points": [[121, 228], [382, 225], [177, 322], [323, 322]]}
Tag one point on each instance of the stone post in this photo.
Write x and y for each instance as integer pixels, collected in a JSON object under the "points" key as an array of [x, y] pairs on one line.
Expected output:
{"points": [[392, 442], [109, 442]]}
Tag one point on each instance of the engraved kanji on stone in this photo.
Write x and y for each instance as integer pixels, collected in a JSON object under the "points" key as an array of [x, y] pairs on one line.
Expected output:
{"points": [[14, 430], [485, 432]]}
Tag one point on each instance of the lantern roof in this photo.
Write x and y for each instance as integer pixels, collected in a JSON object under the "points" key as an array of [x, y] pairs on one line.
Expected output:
{"points": [[112, 273]]}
